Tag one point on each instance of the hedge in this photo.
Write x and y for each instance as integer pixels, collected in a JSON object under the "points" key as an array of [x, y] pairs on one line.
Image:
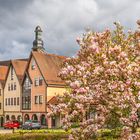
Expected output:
{"points": [[58, 134], [34, 136]]}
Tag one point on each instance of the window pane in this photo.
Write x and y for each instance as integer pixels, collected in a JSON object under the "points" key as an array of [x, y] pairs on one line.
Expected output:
{"points": [[17, 100], [40, 99], [14, 86], [14, 101], [36, 99], [11, 101], [40, 81]]}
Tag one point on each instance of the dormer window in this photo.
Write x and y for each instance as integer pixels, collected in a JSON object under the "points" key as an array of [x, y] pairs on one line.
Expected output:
{"points": [[12, 73], [33, 65]]}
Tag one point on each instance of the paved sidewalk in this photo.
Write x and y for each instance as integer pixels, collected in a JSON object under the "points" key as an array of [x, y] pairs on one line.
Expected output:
{"points": [[6, 131]]}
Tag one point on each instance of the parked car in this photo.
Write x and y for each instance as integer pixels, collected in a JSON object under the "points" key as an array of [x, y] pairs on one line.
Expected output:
{"points": [[11, 124], [31, 124]]}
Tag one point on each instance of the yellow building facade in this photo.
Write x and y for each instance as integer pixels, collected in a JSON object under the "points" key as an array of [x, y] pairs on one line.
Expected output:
{"points": [[12, 91], [52, 92]]}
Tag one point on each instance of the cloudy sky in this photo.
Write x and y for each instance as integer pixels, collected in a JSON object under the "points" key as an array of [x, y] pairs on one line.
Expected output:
{"points": [[61, 21]]}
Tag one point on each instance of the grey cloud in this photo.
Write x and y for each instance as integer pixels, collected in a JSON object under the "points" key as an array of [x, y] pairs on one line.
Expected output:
{"points": [[61, 20]]}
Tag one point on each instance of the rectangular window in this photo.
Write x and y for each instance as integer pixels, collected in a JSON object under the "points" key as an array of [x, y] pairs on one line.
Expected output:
{"points": [[26, 102], [17, 100], [0, 105], [6, 101], [0, 92], [12, 73], [36, 82], [11, 86], [8, 87], [36, 99], [15, 86], [33, 65], [40, 99], [14, 101], [27, 84], [11, 101]]}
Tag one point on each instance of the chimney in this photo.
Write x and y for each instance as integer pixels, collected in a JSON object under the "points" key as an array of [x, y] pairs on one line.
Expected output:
{"points": [[38, 42]]}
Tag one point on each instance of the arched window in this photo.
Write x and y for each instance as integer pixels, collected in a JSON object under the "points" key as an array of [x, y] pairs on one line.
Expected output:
{"points": [[43, 119], [13, 117], [7, 117], [26, 117], [19, 118], [34, 117]]}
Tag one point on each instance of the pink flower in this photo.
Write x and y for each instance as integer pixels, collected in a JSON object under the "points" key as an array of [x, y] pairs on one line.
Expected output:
{"points": [[75, 85], [94, 48], [81, 90], [134, 117]]}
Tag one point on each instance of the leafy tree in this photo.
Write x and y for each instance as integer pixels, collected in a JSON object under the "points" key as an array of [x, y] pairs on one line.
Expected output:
{"points": [[104, 78]]}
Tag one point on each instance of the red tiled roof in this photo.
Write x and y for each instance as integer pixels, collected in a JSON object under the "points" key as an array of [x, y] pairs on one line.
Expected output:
{"points": [[5, 63], [19, 66], [53, 100], [50, 65], [3, 72]]}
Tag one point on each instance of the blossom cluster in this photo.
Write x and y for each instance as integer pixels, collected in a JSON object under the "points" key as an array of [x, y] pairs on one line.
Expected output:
{"points": [[103, 77]]}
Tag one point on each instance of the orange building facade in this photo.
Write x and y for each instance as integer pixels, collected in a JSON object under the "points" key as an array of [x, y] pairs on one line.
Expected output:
{"points": [[41, 84]]}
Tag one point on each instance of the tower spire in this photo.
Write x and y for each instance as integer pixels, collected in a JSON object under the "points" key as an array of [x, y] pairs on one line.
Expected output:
{"points": [[38, 42]]}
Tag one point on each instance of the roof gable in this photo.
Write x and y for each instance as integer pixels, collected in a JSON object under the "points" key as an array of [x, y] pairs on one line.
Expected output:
{"points": [[49, 65], [3, 73], [19, 67]]}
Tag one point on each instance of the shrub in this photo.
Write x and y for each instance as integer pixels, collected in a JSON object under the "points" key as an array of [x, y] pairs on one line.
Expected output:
{"points": [[34, 136]]}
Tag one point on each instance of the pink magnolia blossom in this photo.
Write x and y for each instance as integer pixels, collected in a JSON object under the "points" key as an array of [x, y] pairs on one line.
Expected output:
{"points": [[103, 77]]}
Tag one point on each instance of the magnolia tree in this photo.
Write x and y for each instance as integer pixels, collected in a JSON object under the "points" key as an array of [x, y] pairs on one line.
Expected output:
{"points": [[103, 77]]}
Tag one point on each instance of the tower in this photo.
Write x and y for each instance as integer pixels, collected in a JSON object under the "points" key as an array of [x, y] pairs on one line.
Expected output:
{"points": [[38, 42]]}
